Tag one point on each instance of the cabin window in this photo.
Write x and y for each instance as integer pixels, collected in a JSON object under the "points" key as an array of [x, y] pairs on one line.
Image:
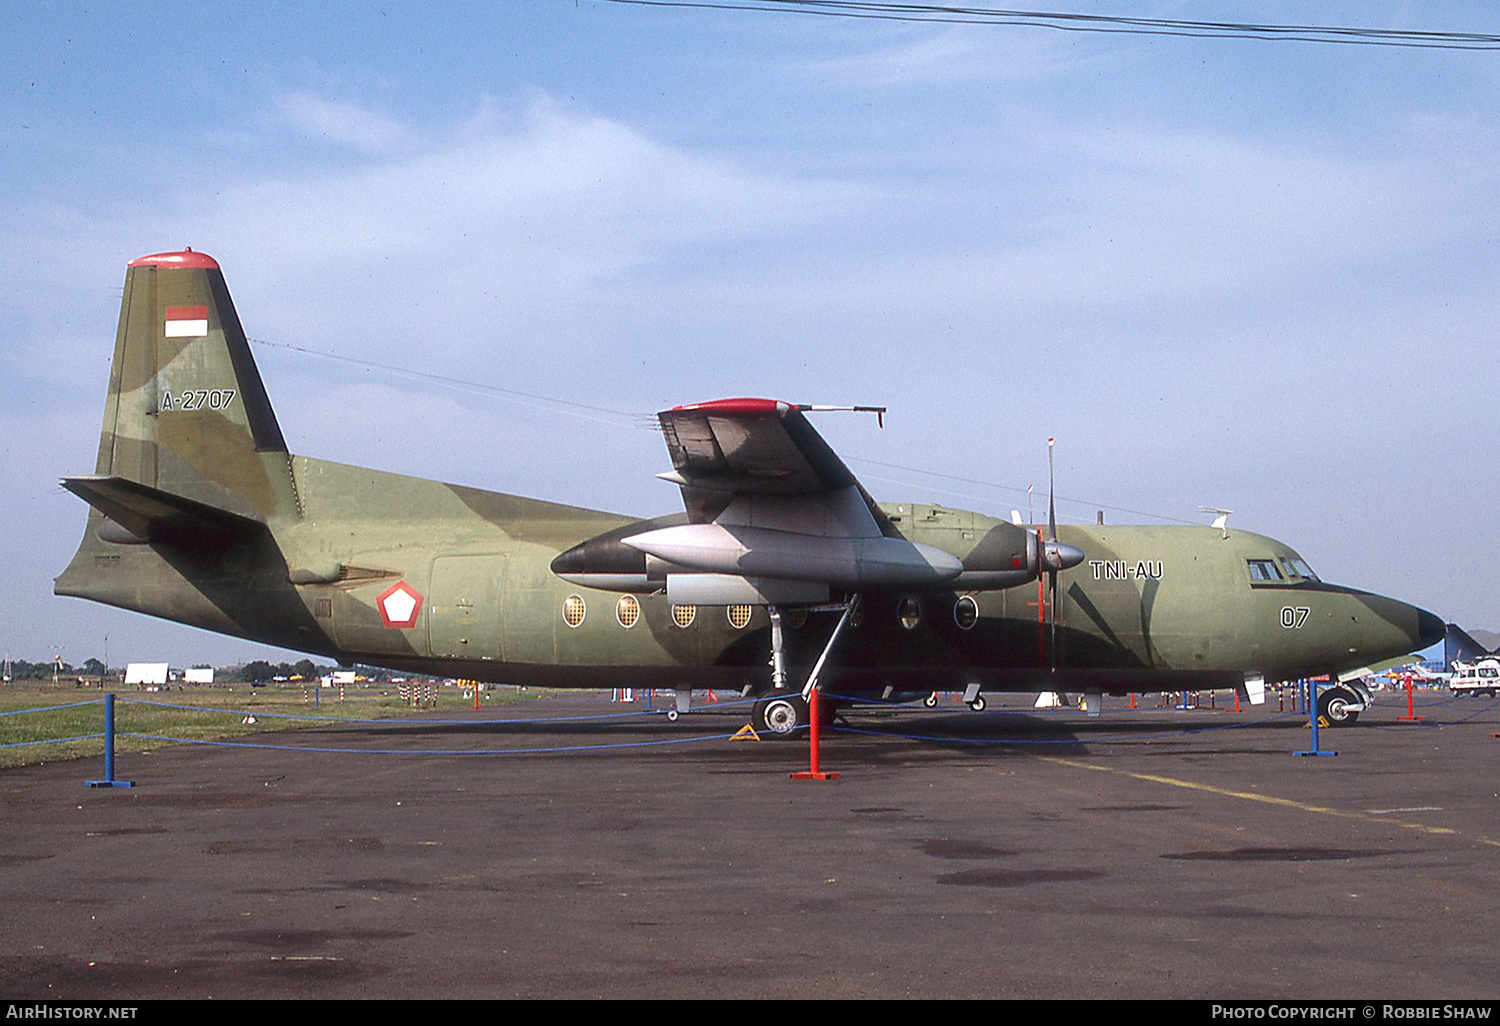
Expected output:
{"points": [[1297, 568], [909, 610], [794, 618], [739, 616], [1263, 570], [683, 616], [574, 610], [627, 611], [966, 612]]}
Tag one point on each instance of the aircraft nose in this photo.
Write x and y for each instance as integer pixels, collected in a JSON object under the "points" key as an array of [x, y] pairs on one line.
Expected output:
{"points": [[1430, 629], [1399, 629]]}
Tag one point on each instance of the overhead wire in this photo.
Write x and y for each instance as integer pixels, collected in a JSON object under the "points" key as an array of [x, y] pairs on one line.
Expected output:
{"points": [[586, 411], [1070, 21], [530, 399]]}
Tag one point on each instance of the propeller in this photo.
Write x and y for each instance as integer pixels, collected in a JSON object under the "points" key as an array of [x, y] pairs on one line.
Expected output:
{"points": [[1055, 556]]}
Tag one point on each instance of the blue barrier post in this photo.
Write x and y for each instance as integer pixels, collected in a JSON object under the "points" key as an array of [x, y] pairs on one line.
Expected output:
{"points": [[1312, 714], [109, 748]]}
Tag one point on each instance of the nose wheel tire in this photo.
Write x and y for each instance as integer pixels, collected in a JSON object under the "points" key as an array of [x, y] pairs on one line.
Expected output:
{"points": [[1337, 708]]}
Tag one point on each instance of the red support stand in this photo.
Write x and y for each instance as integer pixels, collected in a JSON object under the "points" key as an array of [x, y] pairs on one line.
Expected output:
{"points": [[1411, 716], [813, 771]]}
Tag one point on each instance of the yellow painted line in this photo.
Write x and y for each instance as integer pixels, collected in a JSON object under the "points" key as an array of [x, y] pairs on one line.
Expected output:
{"points": [[1251, 796]]}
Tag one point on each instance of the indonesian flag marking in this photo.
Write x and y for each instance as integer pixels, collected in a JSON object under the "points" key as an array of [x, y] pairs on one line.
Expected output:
{"points": [[399, 605], [187, 321]]}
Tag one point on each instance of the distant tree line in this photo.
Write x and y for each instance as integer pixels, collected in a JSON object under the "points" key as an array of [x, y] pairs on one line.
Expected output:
{"points": [[255, 671], [20, 669], [261, 670]]}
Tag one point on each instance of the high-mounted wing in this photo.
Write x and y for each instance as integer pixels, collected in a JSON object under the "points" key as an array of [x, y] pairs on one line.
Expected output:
{"points": [[750, 446], [773, 512]]}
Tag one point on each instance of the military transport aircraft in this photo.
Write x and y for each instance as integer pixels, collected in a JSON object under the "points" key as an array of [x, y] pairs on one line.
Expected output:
{"points": [[780, 567]]}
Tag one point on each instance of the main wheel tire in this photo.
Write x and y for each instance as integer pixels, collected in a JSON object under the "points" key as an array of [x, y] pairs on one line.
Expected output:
{"points": [[780, 716], [1338, 708]]}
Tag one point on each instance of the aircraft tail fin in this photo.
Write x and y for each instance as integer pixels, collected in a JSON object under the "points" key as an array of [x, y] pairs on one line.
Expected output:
{"points": [[187, 414]]}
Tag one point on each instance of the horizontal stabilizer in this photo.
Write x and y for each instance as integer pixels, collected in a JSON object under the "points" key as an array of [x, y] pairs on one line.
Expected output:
{"points": [[151, 514]]}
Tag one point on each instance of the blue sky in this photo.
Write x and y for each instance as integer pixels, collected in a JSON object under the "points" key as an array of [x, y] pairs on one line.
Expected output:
{"points": [[1260, 276]]}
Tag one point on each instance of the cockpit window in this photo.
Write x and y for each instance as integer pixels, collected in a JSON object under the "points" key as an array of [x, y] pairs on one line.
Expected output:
{"points": [[1296, 568], [1263, 570]]}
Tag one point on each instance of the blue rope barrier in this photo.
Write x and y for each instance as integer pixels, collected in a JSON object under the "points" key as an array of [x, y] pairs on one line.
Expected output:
{"points": [[431, 751], [1486, 709], [392, 720], [52, 740], [53, 708]]}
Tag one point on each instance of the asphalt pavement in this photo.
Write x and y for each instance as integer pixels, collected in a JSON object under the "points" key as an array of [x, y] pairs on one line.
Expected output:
{"points": [[1149, 853]]}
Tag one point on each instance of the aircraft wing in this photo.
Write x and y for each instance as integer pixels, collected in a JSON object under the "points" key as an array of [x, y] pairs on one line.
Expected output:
{"points": [[753, 446], [741, 447], [769, 500]]}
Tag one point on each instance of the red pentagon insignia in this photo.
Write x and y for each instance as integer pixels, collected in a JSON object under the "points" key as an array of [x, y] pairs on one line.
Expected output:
{"points": [[399, 605]]}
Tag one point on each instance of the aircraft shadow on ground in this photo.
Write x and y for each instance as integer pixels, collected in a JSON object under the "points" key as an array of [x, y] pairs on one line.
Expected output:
{"points": [[870, 731]]}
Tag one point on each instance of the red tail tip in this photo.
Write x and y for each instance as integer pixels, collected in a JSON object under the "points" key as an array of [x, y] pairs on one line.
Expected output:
{"points": [[183, 258]]}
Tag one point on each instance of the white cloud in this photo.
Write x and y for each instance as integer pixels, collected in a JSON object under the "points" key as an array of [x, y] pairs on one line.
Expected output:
{"points": [[339, 123], [495, 230], [916, 56]]}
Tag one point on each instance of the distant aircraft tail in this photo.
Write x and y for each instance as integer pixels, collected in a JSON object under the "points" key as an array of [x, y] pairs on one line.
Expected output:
{"points": [[189, 437], [1458, 645]]}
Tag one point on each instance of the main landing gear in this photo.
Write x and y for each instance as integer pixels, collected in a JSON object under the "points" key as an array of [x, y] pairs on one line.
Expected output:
{"points": [[782, 712]]}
